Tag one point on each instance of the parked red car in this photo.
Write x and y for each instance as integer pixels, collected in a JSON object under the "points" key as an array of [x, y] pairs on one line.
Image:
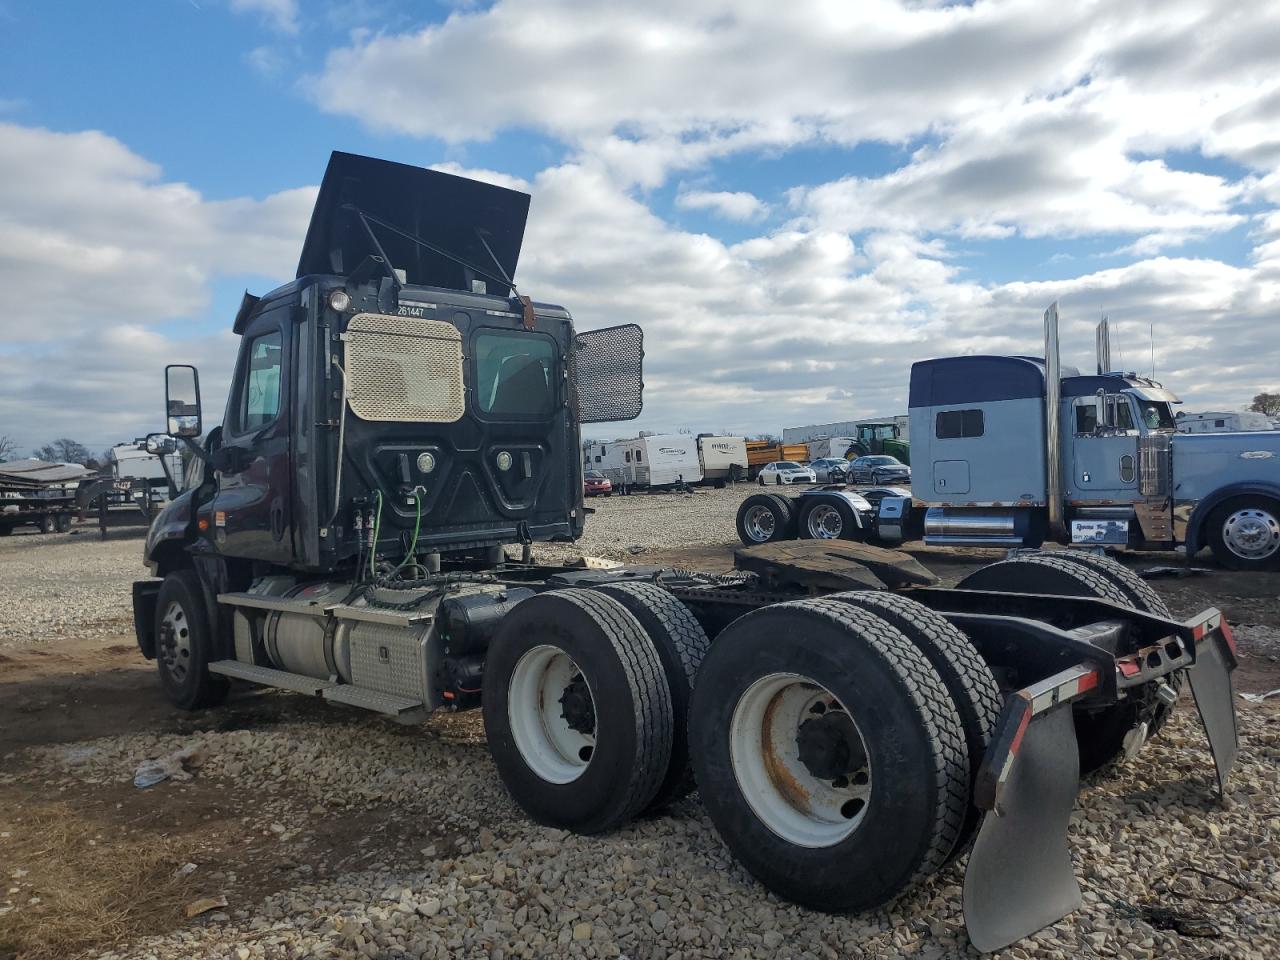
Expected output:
{"points": [[595, 484]]}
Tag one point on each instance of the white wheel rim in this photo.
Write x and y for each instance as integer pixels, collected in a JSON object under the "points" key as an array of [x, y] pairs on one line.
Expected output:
{"points": [[552, 748], [175, 641], [1251, 534], [781, 788], [759, 523], [825, 522]]}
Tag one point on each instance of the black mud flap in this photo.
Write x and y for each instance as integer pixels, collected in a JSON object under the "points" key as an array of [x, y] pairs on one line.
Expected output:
{"points": [[1019, 878], [1210, 679]]}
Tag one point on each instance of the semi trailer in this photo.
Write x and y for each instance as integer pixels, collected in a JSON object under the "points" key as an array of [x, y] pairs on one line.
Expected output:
{"points": [[400, 414], [1013, 451]]}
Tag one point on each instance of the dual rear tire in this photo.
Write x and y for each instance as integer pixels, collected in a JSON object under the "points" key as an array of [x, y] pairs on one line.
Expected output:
{"points": [[586, 700], [831, 754]]}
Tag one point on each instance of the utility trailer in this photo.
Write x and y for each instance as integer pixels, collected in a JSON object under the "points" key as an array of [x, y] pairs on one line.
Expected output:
{"points": [[39, 494], [399, 413], [140, 478]]}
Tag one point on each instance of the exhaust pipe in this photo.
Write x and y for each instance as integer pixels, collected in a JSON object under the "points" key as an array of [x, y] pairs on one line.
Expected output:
{"points": [[1052, 417], [1103, 337]]}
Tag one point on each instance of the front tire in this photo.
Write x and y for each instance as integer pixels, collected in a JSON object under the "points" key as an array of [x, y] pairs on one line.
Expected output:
{"points": [[1244, 534], [183, 644], [828, 754], [577, 710]]}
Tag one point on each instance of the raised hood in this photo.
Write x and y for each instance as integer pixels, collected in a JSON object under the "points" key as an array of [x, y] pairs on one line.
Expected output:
{"points": [[450, 213]]}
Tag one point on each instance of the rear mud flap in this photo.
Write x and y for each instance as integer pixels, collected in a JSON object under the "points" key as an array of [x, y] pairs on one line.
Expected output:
{"points": [[1019, 878], [1210, 679]]}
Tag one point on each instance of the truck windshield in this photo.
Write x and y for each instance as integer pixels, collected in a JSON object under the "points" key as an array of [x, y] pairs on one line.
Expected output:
{"points": [[1156, 415], [515, 373]]}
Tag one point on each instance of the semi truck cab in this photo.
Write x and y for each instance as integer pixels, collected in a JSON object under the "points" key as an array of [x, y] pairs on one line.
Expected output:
{"points": [[1010, 451]]}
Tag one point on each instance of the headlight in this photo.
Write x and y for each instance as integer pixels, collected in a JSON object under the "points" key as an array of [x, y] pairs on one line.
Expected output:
{"points": [[426, 462], [503, 460], [340, 300]]}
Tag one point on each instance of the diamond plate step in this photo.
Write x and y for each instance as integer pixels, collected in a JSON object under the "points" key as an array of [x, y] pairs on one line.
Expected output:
{"points": [[402, 708], [270, 678]]}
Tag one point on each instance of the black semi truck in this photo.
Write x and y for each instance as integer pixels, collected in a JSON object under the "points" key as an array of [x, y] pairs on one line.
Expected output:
{"points": [[400, 414]]}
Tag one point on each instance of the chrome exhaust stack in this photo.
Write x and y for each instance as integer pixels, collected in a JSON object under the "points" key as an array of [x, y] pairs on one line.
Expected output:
{"points": [[1052, 416]]}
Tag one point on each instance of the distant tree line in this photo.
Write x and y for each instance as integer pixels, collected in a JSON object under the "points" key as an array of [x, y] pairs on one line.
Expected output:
{"points": [[1267, 403]]}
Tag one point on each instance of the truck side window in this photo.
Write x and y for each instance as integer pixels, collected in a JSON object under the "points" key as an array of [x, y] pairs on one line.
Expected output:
{"points": [[1124, 415], [953, 424], [1086, 418], [260, 391]]}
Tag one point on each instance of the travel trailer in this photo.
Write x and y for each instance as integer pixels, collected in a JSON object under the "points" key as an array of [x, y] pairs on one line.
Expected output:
{"points": [[722, 458], [659, 460]]}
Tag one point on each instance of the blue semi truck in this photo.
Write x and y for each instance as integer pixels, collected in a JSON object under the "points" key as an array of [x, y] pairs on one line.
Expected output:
{"points": [[1011, 451]]}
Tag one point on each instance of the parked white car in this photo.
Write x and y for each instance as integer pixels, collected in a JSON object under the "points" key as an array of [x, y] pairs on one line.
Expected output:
{"points": [[785, 471]]}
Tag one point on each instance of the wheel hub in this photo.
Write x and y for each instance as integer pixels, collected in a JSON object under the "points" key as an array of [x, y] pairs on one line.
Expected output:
{"points": [[829, 746], [1251, 534], [577, 707], [174, 636], [825, 523], [759, 523]]}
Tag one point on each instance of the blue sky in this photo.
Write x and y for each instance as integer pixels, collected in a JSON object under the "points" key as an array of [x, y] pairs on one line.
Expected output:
{"points": [[795, 201]]}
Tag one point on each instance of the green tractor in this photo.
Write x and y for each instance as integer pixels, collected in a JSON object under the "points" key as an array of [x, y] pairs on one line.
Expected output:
{"points": [[883, 438]]}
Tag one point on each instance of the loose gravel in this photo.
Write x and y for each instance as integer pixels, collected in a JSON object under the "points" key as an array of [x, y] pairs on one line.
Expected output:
{"points": [[488, 883], [496, 885], [65, 584]]}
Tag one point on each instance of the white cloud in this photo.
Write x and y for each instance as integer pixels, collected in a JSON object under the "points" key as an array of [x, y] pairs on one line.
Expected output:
{"points": [[281, 15], [113, 261], [736, 205], [1039, 118]]}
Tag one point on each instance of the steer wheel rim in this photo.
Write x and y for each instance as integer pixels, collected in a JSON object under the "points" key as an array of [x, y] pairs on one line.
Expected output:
{"points": [[759, 523], [552, 712], [1251, 534], [800, 760], [825, 522], [175, 641]]}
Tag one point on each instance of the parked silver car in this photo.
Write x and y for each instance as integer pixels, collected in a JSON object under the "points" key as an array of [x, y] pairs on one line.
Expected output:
{"points": [[830, 469], [880, 468]]}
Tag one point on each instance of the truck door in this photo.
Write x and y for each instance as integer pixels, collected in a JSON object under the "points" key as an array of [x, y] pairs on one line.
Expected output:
{"points": [[1104, 460], [252, 508]]}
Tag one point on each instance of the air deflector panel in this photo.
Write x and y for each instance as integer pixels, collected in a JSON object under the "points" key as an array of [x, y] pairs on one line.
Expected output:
{"points": [[453, 214]]}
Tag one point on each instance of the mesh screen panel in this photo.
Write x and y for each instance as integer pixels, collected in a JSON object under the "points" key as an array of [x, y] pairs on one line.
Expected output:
{"points": [[403, 369], [608, 373]]}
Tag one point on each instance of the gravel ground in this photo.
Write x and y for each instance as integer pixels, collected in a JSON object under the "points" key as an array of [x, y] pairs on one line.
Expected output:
{"points": [[626, 528], [496, 885], [442, 864], [66, 584]]}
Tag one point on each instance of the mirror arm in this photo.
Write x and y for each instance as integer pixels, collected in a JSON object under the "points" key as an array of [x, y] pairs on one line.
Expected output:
{"points": [[198, 450]]}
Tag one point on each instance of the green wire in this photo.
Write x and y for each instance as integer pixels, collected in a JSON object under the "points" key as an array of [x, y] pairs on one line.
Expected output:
{"points": [[377, 529]]}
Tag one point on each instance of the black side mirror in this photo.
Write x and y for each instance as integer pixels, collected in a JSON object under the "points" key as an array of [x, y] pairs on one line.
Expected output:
{"points": [[182, 401]]}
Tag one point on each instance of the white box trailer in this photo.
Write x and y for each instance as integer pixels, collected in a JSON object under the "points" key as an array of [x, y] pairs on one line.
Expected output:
{"points": [[660, 460], [718, 456], [130, 462], [836, 447], [1226, 421]]}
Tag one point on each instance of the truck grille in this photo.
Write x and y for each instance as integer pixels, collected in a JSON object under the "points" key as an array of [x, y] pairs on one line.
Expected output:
{"points": [[403, 369]]}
